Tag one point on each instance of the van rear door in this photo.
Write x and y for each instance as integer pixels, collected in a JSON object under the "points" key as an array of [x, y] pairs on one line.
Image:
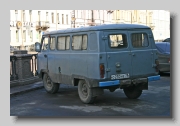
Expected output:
{"points": [[117, 54], [141, 52]]}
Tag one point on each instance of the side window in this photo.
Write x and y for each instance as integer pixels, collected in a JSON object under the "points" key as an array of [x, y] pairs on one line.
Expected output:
{"points": [[67, 42], [52, 43], [139, 40], [79, 42], [45, 43], [63, 43], [118, 41], [84, 42]]}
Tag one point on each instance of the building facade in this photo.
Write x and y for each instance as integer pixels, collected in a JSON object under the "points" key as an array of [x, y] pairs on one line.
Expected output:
{"points": [[27, 26]]}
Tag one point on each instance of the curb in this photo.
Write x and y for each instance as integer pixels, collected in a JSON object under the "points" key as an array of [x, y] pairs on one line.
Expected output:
{"points": [[26, 90], [22, 82]]}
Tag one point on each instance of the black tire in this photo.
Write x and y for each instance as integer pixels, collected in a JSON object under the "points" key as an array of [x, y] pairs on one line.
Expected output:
{"points": [[49, 86], [132, 92], [85, 93]]}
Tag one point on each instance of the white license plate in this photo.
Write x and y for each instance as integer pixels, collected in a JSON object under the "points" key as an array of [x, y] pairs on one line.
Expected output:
{"points": [[120, 76]]}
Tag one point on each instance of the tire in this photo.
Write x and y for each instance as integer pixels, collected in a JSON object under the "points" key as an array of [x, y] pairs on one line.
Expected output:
{"points": [[49, 86], [85, 93], [132, 92]]}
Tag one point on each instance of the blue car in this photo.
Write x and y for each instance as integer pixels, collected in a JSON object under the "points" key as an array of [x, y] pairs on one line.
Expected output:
{"points": [[163, 56]]}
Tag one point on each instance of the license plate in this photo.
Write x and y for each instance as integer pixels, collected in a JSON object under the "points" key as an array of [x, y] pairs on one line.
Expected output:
{"points": [[120, 76]]}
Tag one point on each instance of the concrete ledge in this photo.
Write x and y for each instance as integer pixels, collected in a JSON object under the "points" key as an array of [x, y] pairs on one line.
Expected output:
{"points": [[26, 81]]}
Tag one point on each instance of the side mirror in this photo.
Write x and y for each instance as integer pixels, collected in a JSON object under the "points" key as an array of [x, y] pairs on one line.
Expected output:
{"points": [[37, 47]]}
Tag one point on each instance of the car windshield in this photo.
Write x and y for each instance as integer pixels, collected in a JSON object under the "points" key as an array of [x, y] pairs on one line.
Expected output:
{"points": [[163, 47], [167, 40]]}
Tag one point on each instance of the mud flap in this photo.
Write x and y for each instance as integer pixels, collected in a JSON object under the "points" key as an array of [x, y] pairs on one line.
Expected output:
{"points": [[97, 91]]}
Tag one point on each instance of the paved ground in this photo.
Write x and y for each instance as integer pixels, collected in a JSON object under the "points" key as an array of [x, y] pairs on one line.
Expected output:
{"points": [[154, 102]]}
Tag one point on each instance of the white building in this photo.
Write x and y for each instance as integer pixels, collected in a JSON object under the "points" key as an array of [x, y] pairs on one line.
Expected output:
{"points": [[28, 32], [34, 22], [161, 20]]}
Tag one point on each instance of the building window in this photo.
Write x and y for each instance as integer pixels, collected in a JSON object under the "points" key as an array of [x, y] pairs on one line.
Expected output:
{"points": [[66, 19], [39, 15], [62, 18], [31, 35], [58, 18], [16, 15], [30, 15], [17, 35], [39, 36], [24, 16], [118, 15], [24, 35], [10, 36], [46, 16], [52, 17]]}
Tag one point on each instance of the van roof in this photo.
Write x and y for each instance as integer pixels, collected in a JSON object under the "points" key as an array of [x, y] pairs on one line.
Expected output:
{"points": [[98, 28]]}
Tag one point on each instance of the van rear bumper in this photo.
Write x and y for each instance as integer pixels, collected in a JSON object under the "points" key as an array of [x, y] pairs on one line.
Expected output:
{"points": [[109, 83], [153, 78], [129, 81]]}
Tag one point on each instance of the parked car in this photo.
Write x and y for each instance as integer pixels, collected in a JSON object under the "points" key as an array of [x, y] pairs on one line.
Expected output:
{"points": [[163, 56], [166, 40]]}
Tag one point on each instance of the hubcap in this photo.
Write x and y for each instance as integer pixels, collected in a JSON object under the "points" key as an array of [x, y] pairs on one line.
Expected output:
{"points": [[49, 84], [84, 90]]}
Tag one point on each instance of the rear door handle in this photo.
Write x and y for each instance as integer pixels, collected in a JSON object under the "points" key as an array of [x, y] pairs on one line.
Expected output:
{"points": [[45, 55], [133, 54]]}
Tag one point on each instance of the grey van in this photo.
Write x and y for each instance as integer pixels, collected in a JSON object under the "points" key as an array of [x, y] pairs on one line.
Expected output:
{"points": [[98, 57]]}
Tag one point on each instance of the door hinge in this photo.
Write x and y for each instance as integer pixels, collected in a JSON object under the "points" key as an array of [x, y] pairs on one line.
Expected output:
{"points": [[104, 37]]}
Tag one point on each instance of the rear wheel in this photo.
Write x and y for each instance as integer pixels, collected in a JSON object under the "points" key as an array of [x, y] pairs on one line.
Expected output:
{"points": [[132, 92], [49, 85], [85, 92]]}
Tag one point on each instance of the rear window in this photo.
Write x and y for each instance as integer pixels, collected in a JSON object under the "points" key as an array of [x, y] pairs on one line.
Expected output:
{"points": [[118, 41], [139, 40]]}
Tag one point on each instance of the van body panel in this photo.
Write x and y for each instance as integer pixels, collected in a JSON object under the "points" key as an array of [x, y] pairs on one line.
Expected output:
{"points": [[127, 63]]}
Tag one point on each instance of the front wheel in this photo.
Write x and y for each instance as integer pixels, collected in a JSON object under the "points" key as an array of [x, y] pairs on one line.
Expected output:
{"points": [[49, 85], [85, 93], [132, 92]]}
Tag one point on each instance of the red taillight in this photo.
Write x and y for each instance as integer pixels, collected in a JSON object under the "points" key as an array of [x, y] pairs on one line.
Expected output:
{"points": [[101, 67], [157, 65]]}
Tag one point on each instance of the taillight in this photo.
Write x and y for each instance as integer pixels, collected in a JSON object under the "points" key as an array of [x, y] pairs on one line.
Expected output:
{"points": [[157, 65], [102, 71]]}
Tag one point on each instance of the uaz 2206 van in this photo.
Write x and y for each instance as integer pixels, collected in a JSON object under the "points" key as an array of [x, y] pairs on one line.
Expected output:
{"points": [[98, 57]]}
